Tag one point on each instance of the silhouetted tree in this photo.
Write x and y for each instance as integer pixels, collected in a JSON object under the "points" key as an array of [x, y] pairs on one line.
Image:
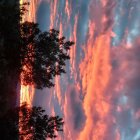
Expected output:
{"points": [[43, 55], [9, 53], [9, 37], [39, 56], [31, 124], [10, 19]]}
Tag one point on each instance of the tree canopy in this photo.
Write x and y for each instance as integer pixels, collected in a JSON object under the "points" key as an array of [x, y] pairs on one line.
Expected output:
{"points": [[34, 57], [31, 124], [37, 56], [43, 55]]}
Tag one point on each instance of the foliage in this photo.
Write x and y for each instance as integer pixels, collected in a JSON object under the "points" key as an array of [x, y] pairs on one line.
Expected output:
{"points": [[39, 56], [31, 124], [43, 55]]}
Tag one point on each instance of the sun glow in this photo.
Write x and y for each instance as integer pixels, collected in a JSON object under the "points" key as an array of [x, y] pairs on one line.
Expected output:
{"points": [[27, 92]]}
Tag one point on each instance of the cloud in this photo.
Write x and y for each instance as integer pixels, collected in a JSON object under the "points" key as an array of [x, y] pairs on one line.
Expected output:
{"points": [[103, 15], [73, 112], [95, 71], [124, 86], [107, 78]]}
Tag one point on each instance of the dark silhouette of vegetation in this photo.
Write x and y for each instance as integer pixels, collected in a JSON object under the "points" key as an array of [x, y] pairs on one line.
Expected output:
{"points": [[39, 56], [9, 38], [34, 57], [43, 55], [9, 53], [31, 124]]}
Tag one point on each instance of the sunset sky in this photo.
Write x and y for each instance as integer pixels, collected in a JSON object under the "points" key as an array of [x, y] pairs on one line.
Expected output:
{"points": [[99, 96]]}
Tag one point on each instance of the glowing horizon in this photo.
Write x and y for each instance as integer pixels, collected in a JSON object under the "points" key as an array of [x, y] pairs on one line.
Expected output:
{"points": [[27, 92]]}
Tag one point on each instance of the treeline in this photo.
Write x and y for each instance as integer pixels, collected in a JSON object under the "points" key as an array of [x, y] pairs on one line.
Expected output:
{"points": [[32, 57], [29, 124]]}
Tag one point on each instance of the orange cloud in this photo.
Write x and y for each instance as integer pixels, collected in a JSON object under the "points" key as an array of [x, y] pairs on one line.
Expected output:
{"points": [[58, 89], [95, 73]]}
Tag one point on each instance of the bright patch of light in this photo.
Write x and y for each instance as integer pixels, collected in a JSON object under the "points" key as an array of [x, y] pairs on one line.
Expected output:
{"points": [[137, 136], [21, 1]]}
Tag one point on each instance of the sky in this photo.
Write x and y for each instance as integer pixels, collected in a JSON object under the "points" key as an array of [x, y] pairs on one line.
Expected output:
{"points": [[99, 96]]}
